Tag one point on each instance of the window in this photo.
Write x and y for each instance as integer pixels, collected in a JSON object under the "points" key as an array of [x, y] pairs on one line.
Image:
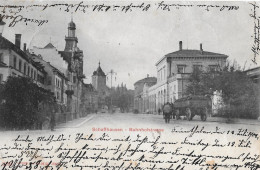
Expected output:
{"points": [[35, 75], [20, 65], [1, 57], [58, 96], [28, 73], [24, 68], [197, 67], [31, 72], [181, 68], [164, 73], [74, 79], [49, 80], [1, 78], [213, 67], [14, 62], [40, 79]]}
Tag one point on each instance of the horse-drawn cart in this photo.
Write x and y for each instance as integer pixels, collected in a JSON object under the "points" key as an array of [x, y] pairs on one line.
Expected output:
{"points": [[191, 106]]}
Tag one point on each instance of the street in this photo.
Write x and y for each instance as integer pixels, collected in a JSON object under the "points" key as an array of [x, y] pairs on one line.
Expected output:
{"points": [[130, 120], [186, 140]]}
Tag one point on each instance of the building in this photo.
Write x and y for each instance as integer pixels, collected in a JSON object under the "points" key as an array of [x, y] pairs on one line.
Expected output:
{"points": [[57, 83], [141, 93], [89, 99], [99, 84], [173, 71], [254, 74], [66, 71], [74, 57], [16, 62]]}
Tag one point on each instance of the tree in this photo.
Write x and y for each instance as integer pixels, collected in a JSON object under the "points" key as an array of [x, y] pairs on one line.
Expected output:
{"points": [[238, 91], [21, 100]]}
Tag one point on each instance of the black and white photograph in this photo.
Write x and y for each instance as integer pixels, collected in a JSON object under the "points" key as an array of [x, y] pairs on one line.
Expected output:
{"points": [[129, 85]]}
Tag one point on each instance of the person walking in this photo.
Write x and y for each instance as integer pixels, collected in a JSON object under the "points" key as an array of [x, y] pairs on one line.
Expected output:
{"points": [[167, 111]]}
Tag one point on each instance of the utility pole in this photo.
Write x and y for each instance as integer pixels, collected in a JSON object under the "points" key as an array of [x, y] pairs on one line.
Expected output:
{"points": [[112, 72]]}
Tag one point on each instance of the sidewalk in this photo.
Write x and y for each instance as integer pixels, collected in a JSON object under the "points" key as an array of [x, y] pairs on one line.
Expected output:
{"points": [[218, 119], [75, 122]]}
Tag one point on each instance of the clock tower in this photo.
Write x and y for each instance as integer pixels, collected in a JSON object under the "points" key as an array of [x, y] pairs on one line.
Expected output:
{"points": [[71, 39]]}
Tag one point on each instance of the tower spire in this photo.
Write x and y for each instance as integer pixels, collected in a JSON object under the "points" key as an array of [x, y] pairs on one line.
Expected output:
{"points": [[99, 63]]}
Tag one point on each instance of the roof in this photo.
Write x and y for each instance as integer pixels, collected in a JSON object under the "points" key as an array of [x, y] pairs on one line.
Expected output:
{"points": [[147, 80], [58, 71], [252, 69], [6, 44], [99, 71], [192, 53], [149, 84], [72, 24], [50, 45]]}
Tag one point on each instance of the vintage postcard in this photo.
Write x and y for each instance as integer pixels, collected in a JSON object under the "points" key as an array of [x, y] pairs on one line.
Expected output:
{"points": [[129, 85]]}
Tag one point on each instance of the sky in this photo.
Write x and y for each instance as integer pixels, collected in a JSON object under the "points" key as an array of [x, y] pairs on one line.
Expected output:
{"points": [[131, 43]]}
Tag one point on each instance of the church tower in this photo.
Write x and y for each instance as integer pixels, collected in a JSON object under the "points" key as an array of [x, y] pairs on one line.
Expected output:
{"points": [[71, 39]]}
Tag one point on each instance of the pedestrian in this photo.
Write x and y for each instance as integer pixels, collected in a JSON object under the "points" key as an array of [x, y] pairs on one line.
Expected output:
{"points": [[167, 111], [159, 111]]}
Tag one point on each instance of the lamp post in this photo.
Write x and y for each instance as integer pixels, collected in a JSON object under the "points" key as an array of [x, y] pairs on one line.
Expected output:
{"points": [[112, 72], [2, 24]]}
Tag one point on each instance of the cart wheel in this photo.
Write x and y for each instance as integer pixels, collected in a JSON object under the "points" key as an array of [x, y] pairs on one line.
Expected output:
{"points": [[188, 114], [203, 115], [177, 114]]}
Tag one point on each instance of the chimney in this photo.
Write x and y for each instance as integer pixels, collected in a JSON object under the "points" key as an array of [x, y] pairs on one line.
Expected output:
{"points": [[24, 47], [180, 45], [201, 49], [18, 40]]}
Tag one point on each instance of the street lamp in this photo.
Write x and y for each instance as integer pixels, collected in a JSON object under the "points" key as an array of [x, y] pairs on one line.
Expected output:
{"points": [[111, 73], [2, 24]]}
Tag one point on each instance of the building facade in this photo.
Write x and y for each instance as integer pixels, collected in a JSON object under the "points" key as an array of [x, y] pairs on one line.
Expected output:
{"points": [[89, 99], [16, 62], [141, 93], [99, 84], [66, 71], [173, 72]]}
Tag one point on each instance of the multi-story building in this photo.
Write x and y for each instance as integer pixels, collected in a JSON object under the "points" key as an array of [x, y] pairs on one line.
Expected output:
{"points": [[74, 57], [173, 72], [66, 70], [142, 93], [56, 82], [16, 62]]}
